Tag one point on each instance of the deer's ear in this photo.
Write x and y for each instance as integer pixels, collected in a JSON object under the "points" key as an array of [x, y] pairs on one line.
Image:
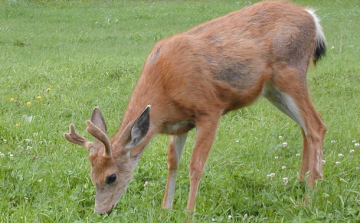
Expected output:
{"points": [[139, 129], [98, 120]]}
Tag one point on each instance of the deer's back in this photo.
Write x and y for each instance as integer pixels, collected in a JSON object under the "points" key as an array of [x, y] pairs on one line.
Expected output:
{"points": [[224, 63]]}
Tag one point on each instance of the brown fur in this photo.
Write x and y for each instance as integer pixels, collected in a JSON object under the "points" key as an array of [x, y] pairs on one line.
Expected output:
{"points": [[192, 78]]}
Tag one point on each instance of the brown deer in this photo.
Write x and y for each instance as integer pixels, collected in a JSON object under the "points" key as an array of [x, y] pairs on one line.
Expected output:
{"points": [[191, 79]]}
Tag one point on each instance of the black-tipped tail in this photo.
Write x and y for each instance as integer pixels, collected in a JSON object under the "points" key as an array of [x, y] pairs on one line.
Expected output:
{"points": [[320, 41], [320, 50]]}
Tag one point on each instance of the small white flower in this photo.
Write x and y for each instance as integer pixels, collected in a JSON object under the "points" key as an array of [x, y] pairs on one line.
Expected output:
{"points": [[280, 137], [337, 163], [237, 140], [2, 154], [333, 141], [276, 157], [5, 141], [245, 217], [271, 175], [229, 217], [27, 140], [146, 184], [332, 47], [283, 167], [352, 151], [285, 144], [286, 180], [357, 144], [28, 148], [340, 155], [354, 141], [297, 154], [323, 162], [213, 219]]}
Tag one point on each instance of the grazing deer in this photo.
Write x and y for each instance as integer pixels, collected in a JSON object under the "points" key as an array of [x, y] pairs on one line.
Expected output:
{"points": [[191, 79]]}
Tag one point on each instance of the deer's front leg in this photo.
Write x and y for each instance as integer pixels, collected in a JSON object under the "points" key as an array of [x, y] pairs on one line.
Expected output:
{"points": [[176, 147], [205, 133]]}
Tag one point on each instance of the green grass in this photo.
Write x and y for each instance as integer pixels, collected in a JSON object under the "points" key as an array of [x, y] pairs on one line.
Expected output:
{"points": [[90, 53]]}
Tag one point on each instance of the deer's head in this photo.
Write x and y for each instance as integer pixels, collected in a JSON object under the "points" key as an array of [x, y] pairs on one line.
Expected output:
{"points": [[112, 164]]}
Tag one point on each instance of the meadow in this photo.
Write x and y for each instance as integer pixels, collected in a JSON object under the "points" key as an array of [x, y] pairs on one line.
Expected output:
{"points": [[60, 59]]}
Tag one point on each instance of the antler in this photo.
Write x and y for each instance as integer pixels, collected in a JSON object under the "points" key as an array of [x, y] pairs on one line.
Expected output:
{"points": [[101, 136], [74, 137]]}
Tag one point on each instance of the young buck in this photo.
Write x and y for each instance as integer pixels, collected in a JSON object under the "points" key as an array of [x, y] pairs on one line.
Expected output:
{"points": [[191, 79]]}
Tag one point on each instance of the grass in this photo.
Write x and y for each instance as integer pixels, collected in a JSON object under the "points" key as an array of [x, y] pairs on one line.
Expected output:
{"points": [[66, 57]]}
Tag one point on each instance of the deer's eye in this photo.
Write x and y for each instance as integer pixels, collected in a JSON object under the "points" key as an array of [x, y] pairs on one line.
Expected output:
{"points": [[111, 179]]}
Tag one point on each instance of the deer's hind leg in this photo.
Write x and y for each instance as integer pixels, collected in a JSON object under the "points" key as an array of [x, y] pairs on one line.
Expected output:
{"points": [[288, 92]]}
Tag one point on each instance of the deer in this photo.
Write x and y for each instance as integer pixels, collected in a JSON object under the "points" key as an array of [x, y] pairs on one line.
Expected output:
{"points": [[191, 79]]}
